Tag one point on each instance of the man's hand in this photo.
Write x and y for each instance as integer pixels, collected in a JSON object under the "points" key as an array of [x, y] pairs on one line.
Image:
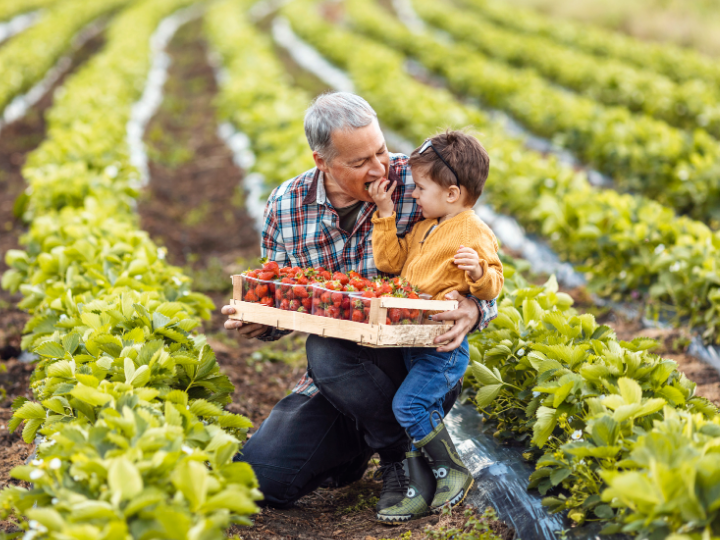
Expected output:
{"points": [[465, 317], [468, 259], [382, 195], [246, 330]]}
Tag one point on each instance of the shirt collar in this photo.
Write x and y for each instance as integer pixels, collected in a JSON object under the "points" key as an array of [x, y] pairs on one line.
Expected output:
{"points": [[316, 190]]}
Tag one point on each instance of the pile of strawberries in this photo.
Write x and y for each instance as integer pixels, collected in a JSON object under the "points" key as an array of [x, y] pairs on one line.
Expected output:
{"points": [[317, 291]]}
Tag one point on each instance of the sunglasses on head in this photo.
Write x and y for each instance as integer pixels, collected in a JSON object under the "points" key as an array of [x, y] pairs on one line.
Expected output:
{"points": [[428, 144]]}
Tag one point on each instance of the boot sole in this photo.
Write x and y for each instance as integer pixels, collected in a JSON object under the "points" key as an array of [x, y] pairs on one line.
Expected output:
{"points": [[395, 520], [457, 502]]}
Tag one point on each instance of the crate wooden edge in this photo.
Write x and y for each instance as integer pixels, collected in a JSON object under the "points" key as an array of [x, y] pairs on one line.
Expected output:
{"points": [[371, 335]]}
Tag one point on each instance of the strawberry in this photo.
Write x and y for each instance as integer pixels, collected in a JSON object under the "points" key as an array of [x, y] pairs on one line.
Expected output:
{"points": [[285, 304], [342, 278], [294, 305], [266, 276], [325, 275], [333, 312], [302, 280], [250, 296], [300, 292], [271, 266], [413, 295], [267, 301], [394, 315], [307, 304], [404, 313], [278, 294], [261, 290], [251, 273], [320, 312], [325, 298], [368, 294], [358, 316], [337, 298], [388, 321]]}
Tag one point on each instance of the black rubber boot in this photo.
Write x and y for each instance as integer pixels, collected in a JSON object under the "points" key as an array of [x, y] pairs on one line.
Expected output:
{"points": [[419, 495], [394, 484], [453, 478]]}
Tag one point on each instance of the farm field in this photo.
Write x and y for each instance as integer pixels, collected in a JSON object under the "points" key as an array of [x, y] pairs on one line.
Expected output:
{"points": [[133, 173]]}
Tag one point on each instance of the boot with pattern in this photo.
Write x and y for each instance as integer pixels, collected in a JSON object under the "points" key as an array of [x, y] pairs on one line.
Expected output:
{"points": [[453, 478], [421, 489], [394, 484]]}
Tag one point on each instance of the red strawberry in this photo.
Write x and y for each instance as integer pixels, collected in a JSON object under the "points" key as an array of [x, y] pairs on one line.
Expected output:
{"points": [[388, 321], [333, 312], [294, 305], [320, 312], [307, 303], [251, 273], [285, 304], [261, 290], [271, 266], [325, 298], [394, 315], [250, 296], [337, 298], [342, 278], [267, 301], [302, 280], [266, 276], [358, 316], [300, 292]]}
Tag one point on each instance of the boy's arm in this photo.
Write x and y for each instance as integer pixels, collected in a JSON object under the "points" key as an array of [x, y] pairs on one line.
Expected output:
{"points": [[389, 251], [490, 282]]}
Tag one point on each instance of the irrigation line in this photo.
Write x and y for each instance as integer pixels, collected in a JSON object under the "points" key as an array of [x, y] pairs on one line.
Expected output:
{"points": [[18, 24], [146, 107], [20, 105]]}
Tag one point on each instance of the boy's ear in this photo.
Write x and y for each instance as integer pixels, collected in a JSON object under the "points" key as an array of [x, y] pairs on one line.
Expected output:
{"points": [[453, 194]]}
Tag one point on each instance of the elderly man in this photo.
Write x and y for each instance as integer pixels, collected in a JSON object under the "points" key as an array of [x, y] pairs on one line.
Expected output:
{"points": [[340, 413]]}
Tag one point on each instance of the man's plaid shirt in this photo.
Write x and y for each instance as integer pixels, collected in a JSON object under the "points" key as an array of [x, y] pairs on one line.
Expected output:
{"points": [[302, 228]]}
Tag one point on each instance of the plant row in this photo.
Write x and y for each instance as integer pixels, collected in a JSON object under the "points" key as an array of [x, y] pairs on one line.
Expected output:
{"points": [[678, 63], [617, 432], [256, 95], [628, 245], [565, 359], [128, 396], [677, 168], [12, 8], [27, 57], [691, 105]]}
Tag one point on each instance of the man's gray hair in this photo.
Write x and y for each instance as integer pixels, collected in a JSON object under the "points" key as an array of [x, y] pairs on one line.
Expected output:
{"points": [[331, 112]]}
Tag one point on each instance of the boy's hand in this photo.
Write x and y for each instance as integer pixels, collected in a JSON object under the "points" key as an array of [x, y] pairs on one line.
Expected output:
{"points": [[382, 195], [467, 259]]}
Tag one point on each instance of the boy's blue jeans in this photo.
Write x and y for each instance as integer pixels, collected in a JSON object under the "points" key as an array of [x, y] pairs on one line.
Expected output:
{"points": [[431, 375]]}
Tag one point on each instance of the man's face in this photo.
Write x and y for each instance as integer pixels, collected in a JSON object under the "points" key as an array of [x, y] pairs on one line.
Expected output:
{"points": [[362, 157]]}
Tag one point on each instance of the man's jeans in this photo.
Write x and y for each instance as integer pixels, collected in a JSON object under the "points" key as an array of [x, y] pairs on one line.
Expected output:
{"points": [[307, 440], [431, 375]]}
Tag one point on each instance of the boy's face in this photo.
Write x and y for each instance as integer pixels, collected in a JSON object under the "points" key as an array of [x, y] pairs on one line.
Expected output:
{"points": [[431, 197]]}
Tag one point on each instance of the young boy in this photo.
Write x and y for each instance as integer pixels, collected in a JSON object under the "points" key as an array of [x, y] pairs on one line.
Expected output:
{"points": [[451, 249]]}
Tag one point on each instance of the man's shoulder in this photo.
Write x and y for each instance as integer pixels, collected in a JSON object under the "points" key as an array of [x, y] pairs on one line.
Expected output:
{"points": [[296, 187]]}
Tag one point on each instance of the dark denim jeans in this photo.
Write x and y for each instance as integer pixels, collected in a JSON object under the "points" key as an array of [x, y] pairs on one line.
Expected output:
{"points": [[331, 435], [431, 375]]}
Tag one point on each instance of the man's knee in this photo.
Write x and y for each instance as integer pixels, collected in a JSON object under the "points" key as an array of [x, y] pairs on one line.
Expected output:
{"points": [[329, 358]]}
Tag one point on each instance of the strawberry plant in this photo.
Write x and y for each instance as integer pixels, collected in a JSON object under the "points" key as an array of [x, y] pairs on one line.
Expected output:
{"points": [[127, 395]]}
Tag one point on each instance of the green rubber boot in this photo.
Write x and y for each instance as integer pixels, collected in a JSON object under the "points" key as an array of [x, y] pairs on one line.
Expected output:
{"points": [[416, 502], [453, 478]]}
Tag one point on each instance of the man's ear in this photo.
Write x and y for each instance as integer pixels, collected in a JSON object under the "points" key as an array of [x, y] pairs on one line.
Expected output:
{"points": [[453, 194], [320, 162]]}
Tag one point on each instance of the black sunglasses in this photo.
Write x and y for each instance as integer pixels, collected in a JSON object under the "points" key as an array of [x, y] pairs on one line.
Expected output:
{"points": [[428, 144]]}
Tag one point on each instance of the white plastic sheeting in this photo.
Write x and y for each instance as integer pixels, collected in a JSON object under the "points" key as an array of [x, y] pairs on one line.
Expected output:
{"points": [[20, 105], [152, 96], [18, 23]]}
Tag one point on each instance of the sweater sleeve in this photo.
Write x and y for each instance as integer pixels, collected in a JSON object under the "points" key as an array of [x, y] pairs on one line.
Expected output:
{"points": [[491, 282], [389, 251]]}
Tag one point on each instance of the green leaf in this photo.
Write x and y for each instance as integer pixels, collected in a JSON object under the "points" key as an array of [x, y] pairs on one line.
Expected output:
{"points": [[630, 390], [487, 394], [61, 369], [50, 349], [30, 429], [562, 393], [30, 410], [124, 478], [605, 431], [558, 475], [90, 395], [603, 511], [71, 342], [483, 374], [544, 426], [191, 478]]}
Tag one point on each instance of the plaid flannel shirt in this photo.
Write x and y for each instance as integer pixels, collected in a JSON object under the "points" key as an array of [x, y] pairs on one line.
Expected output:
{"points": [[302, 228]]}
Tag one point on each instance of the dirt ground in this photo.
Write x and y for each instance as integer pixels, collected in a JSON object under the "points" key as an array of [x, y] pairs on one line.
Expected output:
{"points": [[194, 205]]}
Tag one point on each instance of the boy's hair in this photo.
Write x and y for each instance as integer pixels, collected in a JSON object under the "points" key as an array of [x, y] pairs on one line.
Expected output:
{"points": [[463, 153]]}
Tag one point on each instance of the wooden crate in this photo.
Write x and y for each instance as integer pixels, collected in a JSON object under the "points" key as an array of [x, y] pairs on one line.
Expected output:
{"points": [[374, 333]]}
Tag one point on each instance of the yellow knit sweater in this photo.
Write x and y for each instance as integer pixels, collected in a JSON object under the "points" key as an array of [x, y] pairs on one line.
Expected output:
{"points": [[429, 263]]}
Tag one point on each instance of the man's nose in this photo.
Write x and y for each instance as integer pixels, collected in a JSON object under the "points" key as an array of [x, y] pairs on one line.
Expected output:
{"points": [[377, 168]]}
